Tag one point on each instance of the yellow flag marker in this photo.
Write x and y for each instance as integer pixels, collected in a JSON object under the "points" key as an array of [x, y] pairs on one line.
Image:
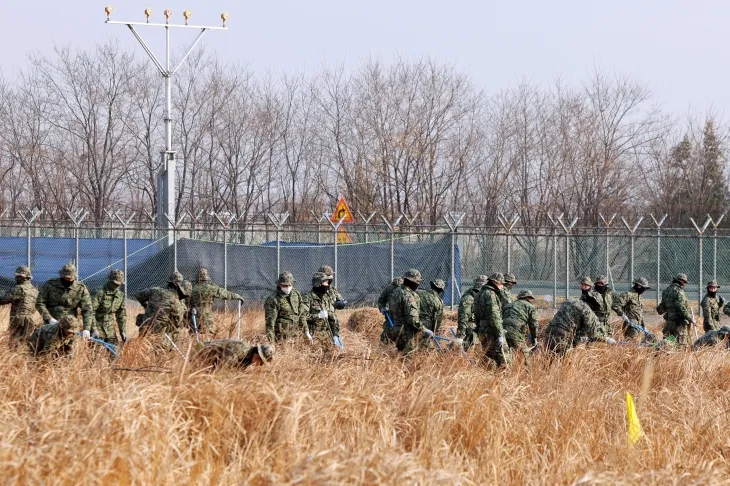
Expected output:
{"points": [[632, 419]]}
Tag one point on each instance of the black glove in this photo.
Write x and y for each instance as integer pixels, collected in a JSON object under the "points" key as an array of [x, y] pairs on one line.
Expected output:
{"points": [[124, 337], [340, 304], [721, 300], [95, 334]]}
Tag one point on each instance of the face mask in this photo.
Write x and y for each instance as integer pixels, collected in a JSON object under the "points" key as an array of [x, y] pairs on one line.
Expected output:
{"points": [[66, 283], [113, 285], [585, 292], [712, 294], [411, 285], [639, 290], [19, 280], [286, 290], [321, 289]]}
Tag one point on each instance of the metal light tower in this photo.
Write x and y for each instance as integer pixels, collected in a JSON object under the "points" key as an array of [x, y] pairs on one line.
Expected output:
{"points": [[166, 178]]}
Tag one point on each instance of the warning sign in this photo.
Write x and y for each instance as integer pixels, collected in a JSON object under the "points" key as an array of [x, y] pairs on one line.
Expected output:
{"points": [[343, 236], [342, 210]]}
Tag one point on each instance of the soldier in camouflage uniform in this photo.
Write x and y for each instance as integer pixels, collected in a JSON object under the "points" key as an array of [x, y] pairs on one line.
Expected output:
{"points": [[202, 296], [55, 340], [22, 300], [388, 336], [339, 302], [675, 310], [713, 338], [109, 306], [629, 306], [232, 353], [66, 296], [322, 321], [711, 305], [285, 310], [431, 307], [404, 307], [519, 320], [466, 329], [573, 322], [488, 315], [506, 296], [164, 310], [600, 300]]}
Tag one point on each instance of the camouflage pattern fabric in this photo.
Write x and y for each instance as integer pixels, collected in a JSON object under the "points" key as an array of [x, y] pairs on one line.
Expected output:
{"points": [[711, 312], [285, 315], [676, 313], [109, 306], [55, 300], [465, 323], [385, 294], [520, 323], [601, 305], [330, 326], [712, 338], [163, 313], [630, 303], [431, 310], [573, 320], [226, 353], [47, 340], [405, 307], [202, 297], [22, 300], [488, 315], [505, 297]]}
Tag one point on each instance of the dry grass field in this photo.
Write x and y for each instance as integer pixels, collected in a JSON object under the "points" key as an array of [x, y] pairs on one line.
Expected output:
{"points": [[363, 417]]}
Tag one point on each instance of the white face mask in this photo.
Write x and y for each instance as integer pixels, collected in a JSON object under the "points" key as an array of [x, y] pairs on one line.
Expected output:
{"points": [[286, 290]]}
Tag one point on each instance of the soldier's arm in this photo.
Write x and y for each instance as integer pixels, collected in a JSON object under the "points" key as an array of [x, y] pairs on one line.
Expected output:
{"points": [[661, 308], [591, 327], [465, 311], [532, 321], [96, 297], [271, 311], [87, 310], [40, 303], [438, 317], [143, 297], [303, 311], [619, 304], [496, 314], [706, 309], [683, 307], [122, 315], [383, 299], [13, 295], [412, 311]]}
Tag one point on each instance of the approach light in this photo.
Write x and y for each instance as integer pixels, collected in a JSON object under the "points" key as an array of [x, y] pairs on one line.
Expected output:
{"points": [[187, 14], [224, 17], [168, 14], [148, 14], [108, 9]]}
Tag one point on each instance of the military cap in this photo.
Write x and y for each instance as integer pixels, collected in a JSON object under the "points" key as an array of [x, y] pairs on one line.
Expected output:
{"points": [[327, 270], [642, 282], [438, 284], [713, 283], [413, 275], [724, 330], [496, 277], [203, 275], [681, 277], [525, 294], [68, 271], [602, 280], [318, 278], [510, 278], [397, 282], [176, 277], [69, 323], [286, 278], [586, 280], [481, 280], [116, 276], [23, 271], [265, 351]]}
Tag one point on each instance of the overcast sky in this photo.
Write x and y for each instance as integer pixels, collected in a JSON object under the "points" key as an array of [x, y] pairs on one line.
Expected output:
{"points": [[676, 48]]}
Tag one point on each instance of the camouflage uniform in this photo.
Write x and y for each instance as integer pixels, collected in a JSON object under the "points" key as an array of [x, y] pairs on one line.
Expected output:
{"points": [[573, 320], [630, 304], [431, 308], [55, 300], [466, 324], [22, 300], [505, 296], [202, 296], [108, 303], [520, 323], [285, 315], [711, 306], [488, 315], [405, 307], [164, 311], [388, 336], [600, 303], [51, 340], [676, 312], [713, 338], [325, 328], [231, 353]]}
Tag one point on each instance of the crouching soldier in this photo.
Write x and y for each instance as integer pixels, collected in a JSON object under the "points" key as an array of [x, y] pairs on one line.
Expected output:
{"points": [[55, 340], [164, 311], [573, 322], [388, 335], [713, 338], [520, 324], [232, 353]]}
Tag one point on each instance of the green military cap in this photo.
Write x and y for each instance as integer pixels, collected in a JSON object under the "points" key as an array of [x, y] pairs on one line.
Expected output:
{"points": [[496, 277], [510, 278], [116, 276], [602, 280], [642, 282], [713, 283], [23, 271], [176, 277], [68, 271], [525, 294], [69, 323], [586, 280], [203, 275], [724, 330], [682, 277], [319, 278], [481, 280], [438, 284], [265, 351], [327, 270], [286, 278], [413, 275], [397, 282]]}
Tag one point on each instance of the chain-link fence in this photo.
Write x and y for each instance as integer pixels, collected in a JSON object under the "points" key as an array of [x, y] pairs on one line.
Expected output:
{"points": [[247, 258]]}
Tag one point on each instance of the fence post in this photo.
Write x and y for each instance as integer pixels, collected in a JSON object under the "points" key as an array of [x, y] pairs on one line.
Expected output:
{"points": [[607, 223], [715, 224], [125, 224], [632, 231], [175, 225], [508, 226], [700, 234], [318, 219], [568, 228], [454, 220], [658, 253], [391, 228], [77, 218], [32, 216], [336, 228], [194, 218], [225, 221], [410, 224], [367, 222], [278, 219], [554, 222]]}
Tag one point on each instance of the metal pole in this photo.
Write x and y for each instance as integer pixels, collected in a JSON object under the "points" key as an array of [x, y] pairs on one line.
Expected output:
{"points": [[124, 232], [28, 247], [567, 228], [334, 234], [700, 233], [278, 251], [391, 228], [632, 232], [631, 267], [607, 222], [508, 226], [555, 222], [715, 224], [658, 225], [509, 252], [174, 247]]}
